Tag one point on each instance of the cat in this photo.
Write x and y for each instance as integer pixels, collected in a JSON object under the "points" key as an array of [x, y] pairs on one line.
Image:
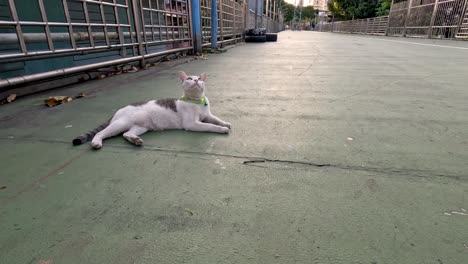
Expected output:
{"points": [[190, 112]]}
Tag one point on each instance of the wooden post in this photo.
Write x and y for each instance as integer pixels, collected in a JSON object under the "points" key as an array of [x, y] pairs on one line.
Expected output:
{"points": [[410, 3], [388, 20], [434, 14], [367, 26]]}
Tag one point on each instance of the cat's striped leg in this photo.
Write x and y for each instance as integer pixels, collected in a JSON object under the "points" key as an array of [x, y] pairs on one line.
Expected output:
{"points": [[132, 135], [113, 129]]}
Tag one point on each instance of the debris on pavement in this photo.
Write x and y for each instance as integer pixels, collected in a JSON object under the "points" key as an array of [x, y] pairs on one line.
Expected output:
{"points": [[461, 212], [188, 211], [137, 237], [350, 138], [80, 95], [57, 100], [3, 187], [43, 261], [68, 126], [10, 98], [215, 51], [132, 69]]}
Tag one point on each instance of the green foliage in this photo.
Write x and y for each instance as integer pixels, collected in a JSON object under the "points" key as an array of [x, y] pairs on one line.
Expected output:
{"points": [[384, 8], [288, 12], [308, 12], [349, 9]]}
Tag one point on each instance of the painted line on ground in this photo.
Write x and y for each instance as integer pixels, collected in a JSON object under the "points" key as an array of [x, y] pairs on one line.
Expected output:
{"points": [[423, 44]]}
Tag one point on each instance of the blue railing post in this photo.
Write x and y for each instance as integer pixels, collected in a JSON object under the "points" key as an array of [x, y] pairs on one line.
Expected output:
{"points": [[214, 24], [196, 28]]}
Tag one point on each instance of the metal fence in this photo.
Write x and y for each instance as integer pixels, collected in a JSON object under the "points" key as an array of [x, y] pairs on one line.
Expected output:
{"points": [[373, 26], [231, 19], [43, 39], [72, 29], [205, 17], [431, 18], [413, 18], [231, 16]]}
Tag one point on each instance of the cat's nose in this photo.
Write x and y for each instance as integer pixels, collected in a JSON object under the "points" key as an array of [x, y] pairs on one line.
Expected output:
{"points": [[196, 80]]}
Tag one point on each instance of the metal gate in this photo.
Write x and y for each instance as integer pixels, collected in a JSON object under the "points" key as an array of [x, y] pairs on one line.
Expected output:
{"points": [[231, 17], [65, 31]]}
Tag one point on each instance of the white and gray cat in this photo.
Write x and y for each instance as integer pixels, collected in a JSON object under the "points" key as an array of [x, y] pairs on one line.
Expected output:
{"points": [[190, 112]]}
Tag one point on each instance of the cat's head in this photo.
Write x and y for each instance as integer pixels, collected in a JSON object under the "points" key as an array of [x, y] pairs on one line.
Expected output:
{"points": [[194, 86]]}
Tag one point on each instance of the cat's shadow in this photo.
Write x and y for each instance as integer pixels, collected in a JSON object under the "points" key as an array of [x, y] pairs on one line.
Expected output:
{"points": [[171, 139]]}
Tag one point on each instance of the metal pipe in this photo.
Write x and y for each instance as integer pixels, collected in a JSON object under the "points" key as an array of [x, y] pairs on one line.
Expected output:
{"points": [[136, 22], [70, 27], [256, 13], [19, 32], [214, 24], [11, 38], [67, 71], [267, 11], [36, 55]]}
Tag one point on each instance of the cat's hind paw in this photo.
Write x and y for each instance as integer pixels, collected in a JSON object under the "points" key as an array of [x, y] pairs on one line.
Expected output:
{"points": [[225, 130], [96, 144], [138, 141], [227, 124]]}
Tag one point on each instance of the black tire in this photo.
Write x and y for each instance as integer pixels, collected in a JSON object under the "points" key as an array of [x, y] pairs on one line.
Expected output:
{"points": [[262, 38], [271, 37]]}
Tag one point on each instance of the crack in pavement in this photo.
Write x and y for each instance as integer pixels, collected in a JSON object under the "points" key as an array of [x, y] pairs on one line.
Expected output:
{"points": [[252, 160]]}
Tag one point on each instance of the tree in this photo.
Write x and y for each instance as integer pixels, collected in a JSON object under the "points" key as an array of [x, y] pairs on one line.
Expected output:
{"points": [[308, 12], [384, 8], [349, 9], [288, 12]]}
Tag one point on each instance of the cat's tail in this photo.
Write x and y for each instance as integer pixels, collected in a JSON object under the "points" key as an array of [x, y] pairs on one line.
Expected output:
{"points": [[83, 138]]}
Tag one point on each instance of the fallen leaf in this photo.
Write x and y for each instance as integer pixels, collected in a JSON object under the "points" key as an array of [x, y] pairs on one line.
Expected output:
{"points": [[11, 98], [56, 100], [133, 69], [3, 187]]}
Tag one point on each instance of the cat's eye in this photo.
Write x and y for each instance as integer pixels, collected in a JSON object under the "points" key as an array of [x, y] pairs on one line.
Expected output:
{"points": [[189, 78]]}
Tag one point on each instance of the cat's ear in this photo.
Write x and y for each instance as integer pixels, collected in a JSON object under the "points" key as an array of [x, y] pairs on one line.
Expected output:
{"points": [[203, 76], [182, 76]]}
